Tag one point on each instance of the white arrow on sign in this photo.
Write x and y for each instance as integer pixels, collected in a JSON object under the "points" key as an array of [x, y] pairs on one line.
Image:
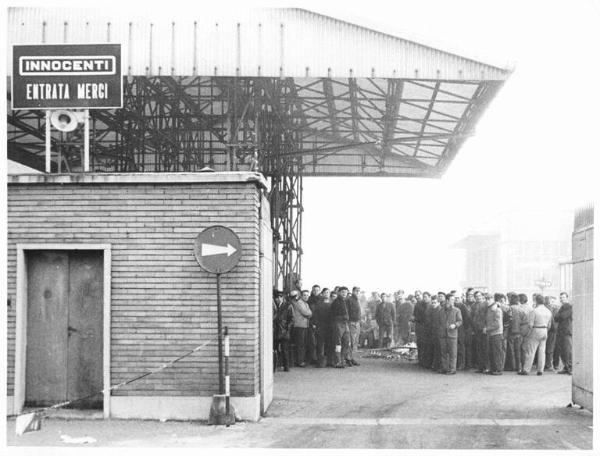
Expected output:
{"points": [[210, 249]]}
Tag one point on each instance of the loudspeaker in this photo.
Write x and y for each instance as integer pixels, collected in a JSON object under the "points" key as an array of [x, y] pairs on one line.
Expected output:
{"points": [[64, 120]]}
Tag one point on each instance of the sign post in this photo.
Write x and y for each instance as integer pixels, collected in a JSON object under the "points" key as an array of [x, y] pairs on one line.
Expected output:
{"points": [[218, 250]]}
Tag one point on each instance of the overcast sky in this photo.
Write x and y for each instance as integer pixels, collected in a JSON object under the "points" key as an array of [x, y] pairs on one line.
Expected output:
{"points": [[534, 147]]}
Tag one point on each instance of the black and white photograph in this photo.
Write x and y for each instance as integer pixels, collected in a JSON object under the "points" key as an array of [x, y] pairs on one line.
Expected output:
{"points": [[329, 226]]}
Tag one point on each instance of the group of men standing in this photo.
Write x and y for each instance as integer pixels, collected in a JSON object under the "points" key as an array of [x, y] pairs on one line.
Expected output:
{"points": [[320, 327], [489, 332], [493, 333]]}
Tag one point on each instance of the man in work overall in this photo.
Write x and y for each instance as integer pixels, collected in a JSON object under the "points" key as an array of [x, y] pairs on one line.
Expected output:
{"points": [[535, 342], [449, 320]]}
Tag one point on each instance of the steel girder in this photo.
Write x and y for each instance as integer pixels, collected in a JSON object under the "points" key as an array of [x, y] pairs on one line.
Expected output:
{"points": [[285, 128]]}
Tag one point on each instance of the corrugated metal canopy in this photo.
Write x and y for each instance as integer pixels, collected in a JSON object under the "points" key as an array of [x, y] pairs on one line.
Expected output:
{"points": [[257, 42], [305, 93]]}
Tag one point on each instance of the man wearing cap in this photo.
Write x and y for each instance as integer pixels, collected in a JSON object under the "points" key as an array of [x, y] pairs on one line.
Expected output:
{"points": [[353, 323], [535, 341], [283, 322], [302, 314], [339, 315], [449, 320]]}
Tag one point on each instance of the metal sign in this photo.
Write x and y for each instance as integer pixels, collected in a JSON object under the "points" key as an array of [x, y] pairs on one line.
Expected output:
{"points": [[53, 76], [217, 249]]}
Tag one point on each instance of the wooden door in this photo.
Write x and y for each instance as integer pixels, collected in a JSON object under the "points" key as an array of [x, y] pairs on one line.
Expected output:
{"points": [[84, 330], [47, 315], [64, 327]]}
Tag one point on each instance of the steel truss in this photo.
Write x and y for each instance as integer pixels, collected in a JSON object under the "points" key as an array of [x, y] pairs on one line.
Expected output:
{"points": [[285, 128]]}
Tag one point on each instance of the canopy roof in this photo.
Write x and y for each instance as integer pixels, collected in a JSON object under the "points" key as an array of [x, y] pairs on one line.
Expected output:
{"points": [[279, 90]]}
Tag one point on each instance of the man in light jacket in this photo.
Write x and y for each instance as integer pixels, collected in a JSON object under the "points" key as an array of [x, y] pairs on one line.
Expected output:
{"points": [[535, 341], [302, 314], [494, 331]]}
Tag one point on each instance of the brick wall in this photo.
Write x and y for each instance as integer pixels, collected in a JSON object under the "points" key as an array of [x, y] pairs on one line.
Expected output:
{"points": [[162, 303]]}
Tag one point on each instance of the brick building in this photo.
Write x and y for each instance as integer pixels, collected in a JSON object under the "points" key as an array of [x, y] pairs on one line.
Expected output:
{"points": [[111, 259]]}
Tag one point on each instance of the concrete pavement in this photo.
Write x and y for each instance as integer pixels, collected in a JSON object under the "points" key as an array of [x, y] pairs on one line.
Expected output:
{"points": [[380, 404]]}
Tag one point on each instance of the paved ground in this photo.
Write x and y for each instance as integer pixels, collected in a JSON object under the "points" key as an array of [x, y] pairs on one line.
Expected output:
{"points": [[381, 404]]}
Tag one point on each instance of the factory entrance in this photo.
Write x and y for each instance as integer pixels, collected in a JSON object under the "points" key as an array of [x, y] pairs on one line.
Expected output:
{"points": [[64, 327]]}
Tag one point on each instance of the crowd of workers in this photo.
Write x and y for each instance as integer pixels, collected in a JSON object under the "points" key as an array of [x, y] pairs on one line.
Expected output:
{"points": [[490, 333]]}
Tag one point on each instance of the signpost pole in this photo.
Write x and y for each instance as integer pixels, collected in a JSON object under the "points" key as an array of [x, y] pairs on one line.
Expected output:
{"points": [[220, 328], [48, 137], [86, 141], [218, 250]]}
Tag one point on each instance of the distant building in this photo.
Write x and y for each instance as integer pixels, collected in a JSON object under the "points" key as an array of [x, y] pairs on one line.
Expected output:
{"points": [[521, 251]]}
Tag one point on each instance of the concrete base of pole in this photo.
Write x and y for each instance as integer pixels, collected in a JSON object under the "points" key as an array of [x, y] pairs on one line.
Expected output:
{"points": [[218, 413]]}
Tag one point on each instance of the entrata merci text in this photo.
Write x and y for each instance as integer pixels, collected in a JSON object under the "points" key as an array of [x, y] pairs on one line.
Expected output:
{"points": [[63, 91]]}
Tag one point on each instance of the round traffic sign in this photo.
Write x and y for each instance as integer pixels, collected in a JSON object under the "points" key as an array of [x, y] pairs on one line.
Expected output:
{"points": [[217, 249]]}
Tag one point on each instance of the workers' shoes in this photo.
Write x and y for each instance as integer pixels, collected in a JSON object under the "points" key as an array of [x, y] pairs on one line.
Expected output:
{"points": [[340, 366], [354, 363], [565, 371], [495, 373], [540, 373], [450, 372], [302, 365], [523, 373]]}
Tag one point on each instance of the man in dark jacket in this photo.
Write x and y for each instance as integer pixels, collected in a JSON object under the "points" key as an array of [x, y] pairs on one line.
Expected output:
{"points": [[311, 336], [339, 316], [432, 353], [552, 344], [449, 320], [404, 312], [283, 321], [565, 333], [386, 316], [354, 323], [515, 338], [480, 342], [322, 319], [419, 314], [461, 363]]}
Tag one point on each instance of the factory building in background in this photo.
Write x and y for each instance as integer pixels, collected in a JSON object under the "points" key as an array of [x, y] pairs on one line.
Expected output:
{"points": [[522, 251]]}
